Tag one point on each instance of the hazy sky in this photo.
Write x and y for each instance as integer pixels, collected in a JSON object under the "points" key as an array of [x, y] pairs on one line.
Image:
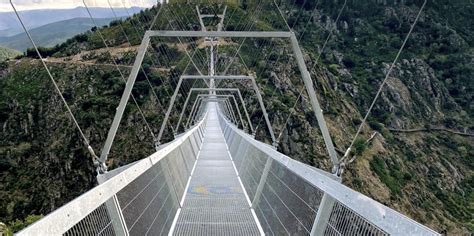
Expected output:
{"points": [[23, 5]]}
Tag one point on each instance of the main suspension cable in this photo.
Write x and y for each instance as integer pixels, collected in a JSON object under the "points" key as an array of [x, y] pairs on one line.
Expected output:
{"points": [[314, 65], [253, 19], [180, 41], [129, 43], [346, 154], [86, 141], [118, 69], [140, 36], [282, 16]]}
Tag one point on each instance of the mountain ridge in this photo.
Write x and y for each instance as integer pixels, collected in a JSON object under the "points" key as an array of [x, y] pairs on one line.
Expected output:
{"points": [[52, 34], [40, 17]]}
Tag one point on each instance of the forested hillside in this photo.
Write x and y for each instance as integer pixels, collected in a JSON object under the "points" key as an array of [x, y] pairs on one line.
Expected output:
{"points": [[415, 154]]}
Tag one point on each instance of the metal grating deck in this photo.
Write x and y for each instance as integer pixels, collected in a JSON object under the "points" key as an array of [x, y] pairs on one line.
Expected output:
{"points": [[215, 203]]}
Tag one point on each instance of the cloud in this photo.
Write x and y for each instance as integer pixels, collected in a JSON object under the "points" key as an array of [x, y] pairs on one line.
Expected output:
{"points": [[23, 5]]}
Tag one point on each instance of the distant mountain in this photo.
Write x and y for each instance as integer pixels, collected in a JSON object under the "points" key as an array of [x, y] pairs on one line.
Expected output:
{"points": [[36, 18], [6, 53], [10, 32], [52, 34]]}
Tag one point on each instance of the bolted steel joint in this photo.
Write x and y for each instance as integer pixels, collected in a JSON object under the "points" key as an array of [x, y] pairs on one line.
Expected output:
{"points": [[101, 168], [275, 144], [157, 143], [338, 169]]}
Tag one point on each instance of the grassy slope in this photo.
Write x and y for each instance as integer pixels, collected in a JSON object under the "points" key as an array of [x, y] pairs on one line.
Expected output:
{"points": [[6, 53]]}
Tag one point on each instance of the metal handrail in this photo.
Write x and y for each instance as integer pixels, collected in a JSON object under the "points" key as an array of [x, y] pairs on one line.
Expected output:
{"points": [[64, 218], [383, 217]]}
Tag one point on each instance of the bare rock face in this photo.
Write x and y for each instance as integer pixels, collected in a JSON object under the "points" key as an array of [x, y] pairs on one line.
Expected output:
{"points": [[414, 93], [280, 81]]}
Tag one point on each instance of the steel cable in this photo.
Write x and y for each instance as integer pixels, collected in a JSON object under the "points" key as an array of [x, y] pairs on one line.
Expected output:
{"points": [[346, 154], [312, 68], [118, 69], [85, 140], [129, 42]]}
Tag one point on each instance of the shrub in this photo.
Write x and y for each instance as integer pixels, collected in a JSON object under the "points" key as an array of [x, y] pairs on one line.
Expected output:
{"points": [[377, 164], [359, 146], [333, 69], [18, 225], [375, 125]]}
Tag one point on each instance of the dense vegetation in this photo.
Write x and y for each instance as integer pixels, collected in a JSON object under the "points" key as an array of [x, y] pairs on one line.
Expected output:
{"points": [[426, 175]]}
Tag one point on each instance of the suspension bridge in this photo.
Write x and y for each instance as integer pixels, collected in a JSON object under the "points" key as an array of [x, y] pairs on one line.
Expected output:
{"points": [[215, 177]]}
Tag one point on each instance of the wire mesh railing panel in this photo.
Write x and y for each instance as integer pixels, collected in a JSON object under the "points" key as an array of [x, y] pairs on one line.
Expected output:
{"points": [[130, 192], [177, 170], [198, 137], [98, 222], [344, 221], [251, 170], [288, 196], [270, 222], [188, 155], [239, 156], [226, 131], [231, 138], [141, 199], [135, 198], [234, 146], [289, 199], [158, 218], [288, 204], [297, 195], [194, 145]]}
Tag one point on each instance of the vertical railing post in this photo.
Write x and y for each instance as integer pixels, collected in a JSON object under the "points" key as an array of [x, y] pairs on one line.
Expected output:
{"points": [[322, 217], [113, 208], [262, 181]]}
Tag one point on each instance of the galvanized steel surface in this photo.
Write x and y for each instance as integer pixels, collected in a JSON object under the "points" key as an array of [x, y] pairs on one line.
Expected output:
{"points": [[237, 186], [215, 203], [145, 202], [287, 195]]}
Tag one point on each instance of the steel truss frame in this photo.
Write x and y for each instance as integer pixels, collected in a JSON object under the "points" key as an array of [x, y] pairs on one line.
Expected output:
{"points": [[226, 34]]}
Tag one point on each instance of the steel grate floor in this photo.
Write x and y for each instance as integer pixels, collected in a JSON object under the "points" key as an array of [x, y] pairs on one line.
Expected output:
{"points": [[215, 203]]}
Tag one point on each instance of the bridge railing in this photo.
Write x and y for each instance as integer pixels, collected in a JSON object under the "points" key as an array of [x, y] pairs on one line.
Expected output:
{"points": [[293, 198], [142, 197]]}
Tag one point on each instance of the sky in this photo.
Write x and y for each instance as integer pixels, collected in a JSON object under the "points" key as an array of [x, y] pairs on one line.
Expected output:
{"points": [[23, 5]]}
